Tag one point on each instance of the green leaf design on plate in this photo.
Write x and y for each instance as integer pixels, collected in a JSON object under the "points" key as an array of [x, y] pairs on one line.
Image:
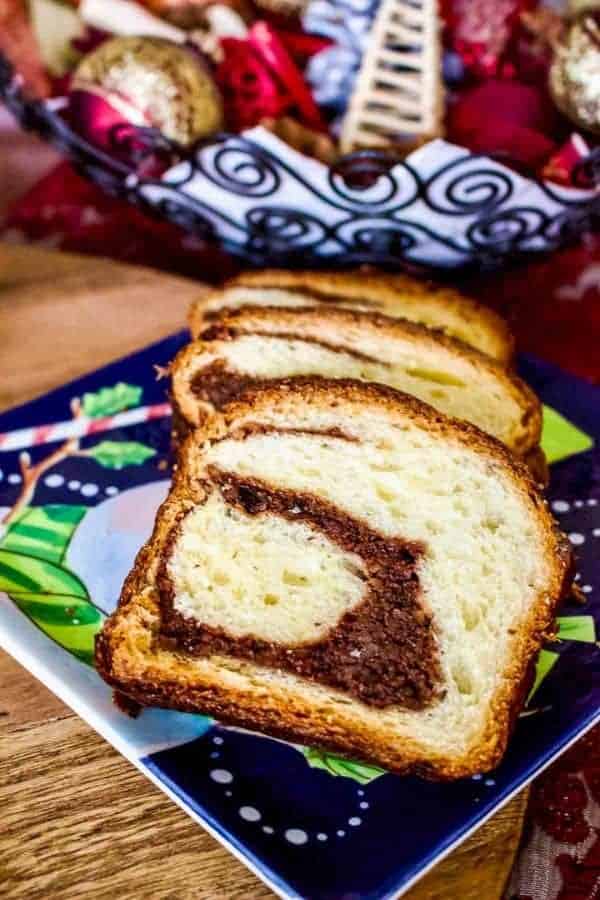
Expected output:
{"points": [[576, 628], [43, 531], [336, 765], [111, 400], [560, 438], [118, 454], [545, 663], [23, 574], [45, 591]]}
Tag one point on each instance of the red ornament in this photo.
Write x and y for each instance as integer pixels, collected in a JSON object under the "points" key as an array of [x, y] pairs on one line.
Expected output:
{"points": [[259, 79], [561, 165], [480, 31], [504, 118]]}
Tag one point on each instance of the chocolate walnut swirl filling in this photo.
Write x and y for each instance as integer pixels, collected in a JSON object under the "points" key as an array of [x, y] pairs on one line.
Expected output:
{"points": [[383, 651], [219, 385]]}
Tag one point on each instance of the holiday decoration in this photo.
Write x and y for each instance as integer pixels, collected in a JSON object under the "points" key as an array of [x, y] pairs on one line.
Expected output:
{"points": [[311, 143], [259, 80], [398, 92], [324, 122], [566, 166], [347, 24], [518, 130], [575, 73], [481, 31], [148, 83]]}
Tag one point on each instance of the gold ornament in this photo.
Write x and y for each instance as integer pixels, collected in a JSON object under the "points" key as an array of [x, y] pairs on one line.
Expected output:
{"points": [[575, 74], [154, 82]]}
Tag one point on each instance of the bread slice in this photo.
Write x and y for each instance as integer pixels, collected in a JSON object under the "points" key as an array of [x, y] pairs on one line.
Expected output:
{"points": [[400, 296], [339, 565], [258, 344]]}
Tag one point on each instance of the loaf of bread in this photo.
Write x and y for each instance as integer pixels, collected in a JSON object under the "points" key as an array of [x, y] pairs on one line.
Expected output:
{"points": [[254, 345], [340, 565], [400, 296]]}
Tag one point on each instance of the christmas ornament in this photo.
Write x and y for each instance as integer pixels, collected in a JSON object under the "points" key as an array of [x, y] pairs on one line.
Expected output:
{"points": [[516, 132], [147, 83], [564, 166], [286, 8], [347, 25], [305, 140], [190, 14], [575, 73], [398, 94], [480, 31], [259, 80], [124, 17]]}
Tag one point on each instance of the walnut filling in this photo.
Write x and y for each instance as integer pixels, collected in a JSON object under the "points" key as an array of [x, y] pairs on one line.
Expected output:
{"points": [[380, 646]]}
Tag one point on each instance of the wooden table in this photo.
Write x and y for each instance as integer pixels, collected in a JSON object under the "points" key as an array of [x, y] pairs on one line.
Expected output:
{"points": [[78, 821]]}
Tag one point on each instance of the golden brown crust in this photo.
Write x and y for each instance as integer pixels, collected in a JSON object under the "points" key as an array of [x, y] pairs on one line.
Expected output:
{"points": [[282, 322], [393, 294], [129, 658]]}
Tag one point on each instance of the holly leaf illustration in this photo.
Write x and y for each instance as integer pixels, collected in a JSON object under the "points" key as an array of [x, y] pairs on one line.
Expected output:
{"points": [[336, 765], [111, 400], [576, 628], [545, 663], [118, 454], [560, 438]]}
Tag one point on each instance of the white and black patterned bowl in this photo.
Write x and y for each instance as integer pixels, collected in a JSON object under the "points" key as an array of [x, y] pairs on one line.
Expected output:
{"points": [[442, 207]]}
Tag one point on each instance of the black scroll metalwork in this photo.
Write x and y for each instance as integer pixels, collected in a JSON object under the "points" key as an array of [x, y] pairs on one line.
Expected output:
{"points": [[368, 207]]}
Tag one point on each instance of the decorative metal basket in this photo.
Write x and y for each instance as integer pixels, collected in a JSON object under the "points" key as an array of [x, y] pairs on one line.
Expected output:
{"points": [[441, 207]]}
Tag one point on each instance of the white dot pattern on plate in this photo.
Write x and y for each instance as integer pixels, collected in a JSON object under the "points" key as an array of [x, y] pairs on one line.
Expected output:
{"points": [[74, 485], [14, 478], [560, 506], [576, 538], [250, 813], [111, 490], [587, 589], [221, 776], [54, 480], [296, 836], [89, 490]]}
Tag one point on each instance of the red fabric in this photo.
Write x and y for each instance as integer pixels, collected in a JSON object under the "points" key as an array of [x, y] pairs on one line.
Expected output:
{"points": [[553, 304], [65, 211], [560, 857]]}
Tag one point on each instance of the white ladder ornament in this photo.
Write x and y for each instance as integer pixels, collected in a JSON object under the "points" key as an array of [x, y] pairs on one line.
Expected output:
{"points": [[398, 93]]}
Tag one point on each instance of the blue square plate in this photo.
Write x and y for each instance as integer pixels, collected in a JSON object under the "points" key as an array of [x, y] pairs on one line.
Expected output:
{"points": [[83, 470]]}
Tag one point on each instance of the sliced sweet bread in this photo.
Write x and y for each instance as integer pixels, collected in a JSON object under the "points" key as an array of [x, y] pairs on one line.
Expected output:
{"points": [[400, 296], [338, 564], [254, 345]]}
